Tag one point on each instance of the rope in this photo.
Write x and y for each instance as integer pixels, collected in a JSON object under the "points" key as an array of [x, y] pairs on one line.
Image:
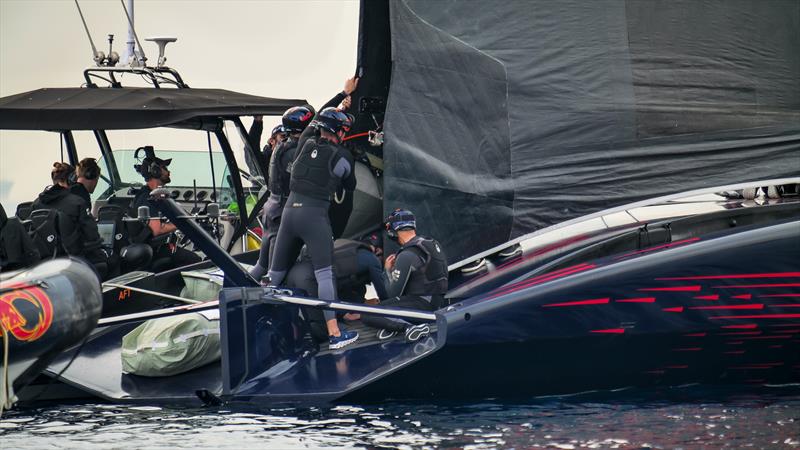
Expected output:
{"points": [[338, 200], [6, 385]]}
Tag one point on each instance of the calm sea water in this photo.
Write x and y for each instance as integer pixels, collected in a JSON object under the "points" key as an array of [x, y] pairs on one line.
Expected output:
{"points": [[688, 417]]}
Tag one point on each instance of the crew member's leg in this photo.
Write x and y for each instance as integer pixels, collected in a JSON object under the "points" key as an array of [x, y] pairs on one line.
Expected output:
{"points": [[287, 246], [272, 220], [315, 230]]}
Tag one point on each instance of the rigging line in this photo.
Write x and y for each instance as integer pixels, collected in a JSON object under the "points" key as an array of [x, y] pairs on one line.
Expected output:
{"points": [[89, 35], [61, 142], [154, 293], [6, 393]]}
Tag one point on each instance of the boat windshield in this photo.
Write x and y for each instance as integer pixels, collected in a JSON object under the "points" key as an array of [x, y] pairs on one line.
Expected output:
{"points": [[190, 166], [186, 168]]}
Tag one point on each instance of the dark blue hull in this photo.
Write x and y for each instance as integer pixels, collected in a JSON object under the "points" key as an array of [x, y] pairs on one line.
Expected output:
{"points": [[702, 302], [721, 309]]}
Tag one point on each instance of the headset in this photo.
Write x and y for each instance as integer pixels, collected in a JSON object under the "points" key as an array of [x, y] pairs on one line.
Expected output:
{"points": [[149, 167], [92, 172]]}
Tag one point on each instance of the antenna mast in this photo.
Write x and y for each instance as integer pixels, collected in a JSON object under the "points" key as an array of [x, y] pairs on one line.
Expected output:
{"points": [[98, 57], [130, 45], [140, 58]]}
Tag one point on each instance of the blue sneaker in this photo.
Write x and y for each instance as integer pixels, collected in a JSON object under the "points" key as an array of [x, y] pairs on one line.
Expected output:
{"points": [[346, 338]]}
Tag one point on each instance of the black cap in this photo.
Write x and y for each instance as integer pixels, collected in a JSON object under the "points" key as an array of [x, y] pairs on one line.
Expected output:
{"points": [[163, 162]]}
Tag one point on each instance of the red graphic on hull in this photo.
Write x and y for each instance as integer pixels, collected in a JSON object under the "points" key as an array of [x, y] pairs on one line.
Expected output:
{"points": [[610, 331], [594, 301], [746, 275], [751, 306], [637, 300], [17, 324], [673, 289]]}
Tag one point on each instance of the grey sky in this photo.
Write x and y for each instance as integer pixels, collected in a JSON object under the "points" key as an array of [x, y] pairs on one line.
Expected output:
{"points": [[246, 46]]}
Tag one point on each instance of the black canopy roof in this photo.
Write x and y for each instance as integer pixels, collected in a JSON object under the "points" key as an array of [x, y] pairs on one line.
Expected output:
{"points": [[128, 108]]}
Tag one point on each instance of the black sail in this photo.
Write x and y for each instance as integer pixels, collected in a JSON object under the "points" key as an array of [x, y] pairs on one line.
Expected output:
{"points": [[506, 117]]}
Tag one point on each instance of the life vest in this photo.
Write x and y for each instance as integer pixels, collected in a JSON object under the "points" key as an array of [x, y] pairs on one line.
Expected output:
{"points": [[345, 257], [431, 278], [312, 171], [279, 176]]}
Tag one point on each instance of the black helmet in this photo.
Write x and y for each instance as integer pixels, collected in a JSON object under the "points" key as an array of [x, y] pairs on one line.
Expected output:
{"points": [[297, 118], [278, 130], [398, 220], [333, 120]]}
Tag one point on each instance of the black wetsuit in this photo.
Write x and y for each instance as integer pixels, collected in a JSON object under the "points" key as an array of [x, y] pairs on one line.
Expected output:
{"points": [[320, 169], [77, 228], [254, 135], [280, 168], [355, 267], [280, 165], [418, 280], [167, 255]]}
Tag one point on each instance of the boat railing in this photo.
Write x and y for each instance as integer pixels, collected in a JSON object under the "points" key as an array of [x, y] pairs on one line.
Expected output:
{"points": [[672, 205], [156, 76]]}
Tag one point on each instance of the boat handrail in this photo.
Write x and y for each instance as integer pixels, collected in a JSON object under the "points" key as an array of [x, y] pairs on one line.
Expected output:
{"points": [[666, 199]]}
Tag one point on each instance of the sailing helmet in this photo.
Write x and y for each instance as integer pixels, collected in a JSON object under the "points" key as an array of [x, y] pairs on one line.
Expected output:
{"points": [[278, 129], [399, 220], [333, 120], [297, 118]]}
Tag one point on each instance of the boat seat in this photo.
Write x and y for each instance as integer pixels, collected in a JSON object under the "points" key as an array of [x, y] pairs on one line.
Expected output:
{"points": [[112, 228], [44, 232], [24, 210], [16, 248]]}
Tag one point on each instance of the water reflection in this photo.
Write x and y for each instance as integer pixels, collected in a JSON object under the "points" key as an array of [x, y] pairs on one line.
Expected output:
{"points": [[686, 418]]}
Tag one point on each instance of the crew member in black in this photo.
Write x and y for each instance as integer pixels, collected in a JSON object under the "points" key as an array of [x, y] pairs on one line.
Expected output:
{"points": [[254, 133], [77, 228], [295, 122], [87, 174], [156, 174], [415, 278], [277, 136], [356, 264], [322, 166]]}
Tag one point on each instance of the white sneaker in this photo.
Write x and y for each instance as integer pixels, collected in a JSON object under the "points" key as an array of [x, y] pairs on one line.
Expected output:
{"points": [[415, 332], [386, 334], [772, 192], [749, 193]]}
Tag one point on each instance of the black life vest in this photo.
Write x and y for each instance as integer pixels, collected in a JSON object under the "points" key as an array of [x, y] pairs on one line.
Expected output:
{"points": [[345, 257], [431, 278], [279, 176], [312, 171]]}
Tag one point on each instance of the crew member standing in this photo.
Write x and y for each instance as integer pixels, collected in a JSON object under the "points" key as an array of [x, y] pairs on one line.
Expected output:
{"points": [[295, 122], [415, 277], [322, 166]]}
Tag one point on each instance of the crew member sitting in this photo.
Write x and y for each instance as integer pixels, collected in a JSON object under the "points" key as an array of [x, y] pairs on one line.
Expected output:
{"points": [[156, 174], [77, 228], [87, 174], [415, 277], [356, 264]]}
